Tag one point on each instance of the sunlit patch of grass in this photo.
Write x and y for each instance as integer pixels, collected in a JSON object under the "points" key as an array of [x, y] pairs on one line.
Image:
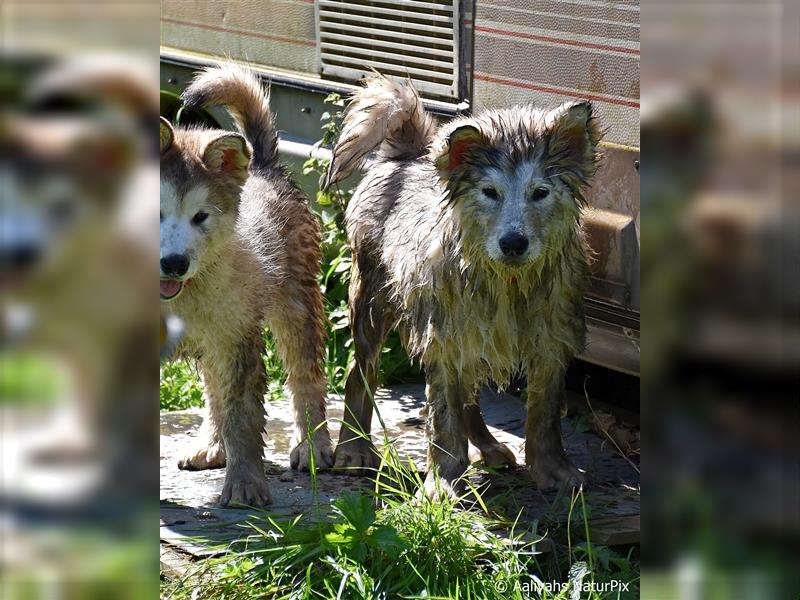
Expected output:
{"points": [[394, 542]]}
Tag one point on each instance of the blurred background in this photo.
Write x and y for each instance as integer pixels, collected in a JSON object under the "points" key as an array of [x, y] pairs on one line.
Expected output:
{"points": [[78, 231], [721, 300]]}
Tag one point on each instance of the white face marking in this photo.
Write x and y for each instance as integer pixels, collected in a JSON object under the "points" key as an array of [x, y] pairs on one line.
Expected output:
{"points": [[516, 204], [182, 233]]}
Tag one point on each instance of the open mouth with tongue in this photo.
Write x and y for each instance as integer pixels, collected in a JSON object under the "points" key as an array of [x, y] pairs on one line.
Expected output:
{"points": [[170, 288]]}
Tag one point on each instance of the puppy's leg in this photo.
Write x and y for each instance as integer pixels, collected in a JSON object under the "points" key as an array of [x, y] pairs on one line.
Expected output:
{"points": [[300, 338], [493, 453], [208, 450], [544, 451], [239, 378], [447, 439], [355, 452]]}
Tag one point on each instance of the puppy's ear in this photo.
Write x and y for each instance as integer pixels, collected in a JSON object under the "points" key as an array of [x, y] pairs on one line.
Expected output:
{"points": [[165, 134], [459, 144], [102, 159], [228, 156], [573, 138]]}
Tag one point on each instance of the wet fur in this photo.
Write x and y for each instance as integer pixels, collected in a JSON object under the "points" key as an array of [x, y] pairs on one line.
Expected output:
{"points": [[423, 243], [259, 267]]}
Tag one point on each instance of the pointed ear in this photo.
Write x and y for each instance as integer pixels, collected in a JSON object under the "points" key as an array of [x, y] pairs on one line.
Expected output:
{"points": [[229, 157], [459, 144], [574, 136], [165, 134]]}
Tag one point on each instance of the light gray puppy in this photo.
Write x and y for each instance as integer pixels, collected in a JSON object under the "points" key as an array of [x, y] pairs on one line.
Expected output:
{"points": [[468, 238]]}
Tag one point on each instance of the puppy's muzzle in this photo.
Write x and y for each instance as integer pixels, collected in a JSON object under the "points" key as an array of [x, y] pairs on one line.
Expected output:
{"points": [[513, 244], [20, 257]]}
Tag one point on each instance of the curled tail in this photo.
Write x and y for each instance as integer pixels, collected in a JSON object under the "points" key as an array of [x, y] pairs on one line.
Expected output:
{"points": [[240, 91], [384, 114]]}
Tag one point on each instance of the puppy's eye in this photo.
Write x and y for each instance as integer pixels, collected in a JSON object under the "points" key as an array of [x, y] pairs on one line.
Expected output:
{"points": [[199, 218], [491, 193], [540, 194]]}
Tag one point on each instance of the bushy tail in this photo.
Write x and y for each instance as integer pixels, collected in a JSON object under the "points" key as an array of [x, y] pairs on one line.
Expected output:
{"points": [[387, 115], [240, 91]]}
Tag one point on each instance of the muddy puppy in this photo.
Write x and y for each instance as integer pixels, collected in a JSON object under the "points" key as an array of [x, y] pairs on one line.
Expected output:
{"points": [[240, 249], [468, 238]]}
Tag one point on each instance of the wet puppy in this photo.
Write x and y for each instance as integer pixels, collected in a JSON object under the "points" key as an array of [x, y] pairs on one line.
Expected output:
{"points": [[468, 238], [240, 248]]}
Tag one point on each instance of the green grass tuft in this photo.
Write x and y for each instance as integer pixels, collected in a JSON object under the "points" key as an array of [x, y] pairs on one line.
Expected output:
{"points": [[393, 542]]}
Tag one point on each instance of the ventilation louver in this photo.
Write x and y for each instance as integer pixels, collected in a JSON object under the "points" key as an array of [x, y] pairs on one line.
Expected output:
{"points": [[405, 38]]}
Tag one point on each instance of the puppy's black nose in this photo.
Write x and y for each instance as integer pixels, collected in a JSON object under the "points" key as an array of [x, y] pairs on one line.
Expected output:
{"points": [[513, 244], [20, 257], [175, 265]]}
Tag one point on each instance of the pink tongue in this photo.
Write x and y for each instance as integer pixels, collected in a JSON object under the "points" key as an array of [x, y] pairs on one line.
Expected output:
{"points": [[170, 287]]}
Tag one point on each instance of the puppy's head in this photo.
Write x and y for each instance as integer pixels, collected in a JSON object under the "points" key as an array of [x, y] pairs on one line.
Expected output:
{"points": [[61, 178], [202, 174], [516, 178]]}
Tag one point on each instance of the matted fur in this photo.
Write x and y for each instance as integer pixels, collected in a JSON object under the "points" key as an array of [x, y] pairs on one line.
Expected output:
{"points": [[260, 259], [426, 259]]}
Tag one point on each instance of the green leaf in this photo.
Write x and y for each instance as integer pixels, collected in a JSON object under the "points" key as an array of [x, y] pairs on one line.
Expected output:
{"points": [[387, 540], [356, 509]]}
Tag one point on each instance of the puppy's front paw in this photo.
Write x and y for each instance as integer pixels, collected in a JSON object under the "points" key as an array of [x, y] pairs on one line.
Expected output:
{"points": [[356, 457], [299, 458], [497, 455], [554, 471], [203, 456], [245, 488]]}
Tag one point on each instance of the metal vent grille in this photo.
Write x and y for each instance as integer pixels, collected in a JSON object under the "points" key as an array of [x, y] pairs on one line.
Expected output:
{"points": [[404, 38]]}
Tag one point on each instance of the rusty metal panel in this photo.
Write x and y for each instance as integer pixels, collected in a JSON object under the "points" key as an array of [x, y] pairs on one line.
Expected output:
{"points": [[276, 33], [555, 50], [612, 237], [612, 228]]}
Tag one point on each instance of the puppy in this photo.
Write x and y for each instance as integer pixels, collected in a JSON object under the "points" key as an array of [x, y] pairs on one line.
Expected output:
{"points": [[468, 238], [71, 291], [240, 249]]}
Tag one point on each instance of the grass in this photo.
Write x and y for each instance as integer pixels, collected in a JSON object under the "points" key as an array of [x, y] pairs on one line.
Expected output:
{"points": [[392, 542]]}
